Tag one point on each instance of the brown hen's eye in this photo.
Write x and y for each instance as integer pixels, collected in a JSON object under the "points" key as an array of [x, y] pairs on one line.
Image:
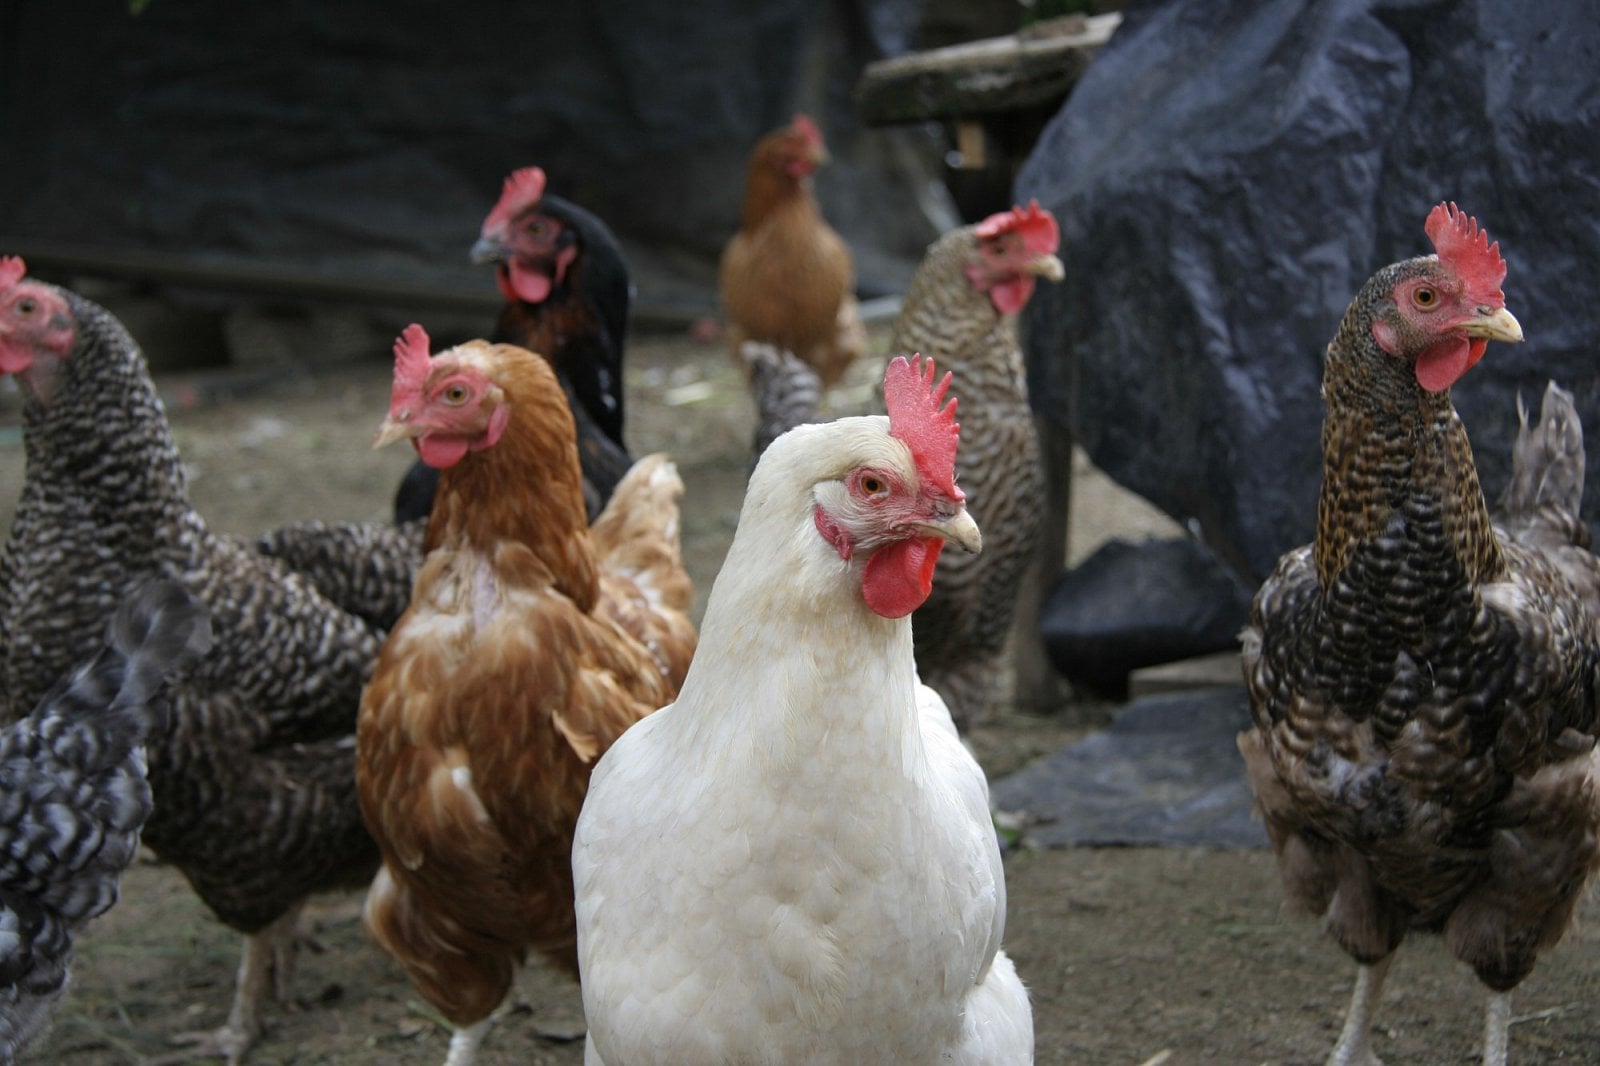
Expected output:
{"points": [[455, 394], [1425, 297]]}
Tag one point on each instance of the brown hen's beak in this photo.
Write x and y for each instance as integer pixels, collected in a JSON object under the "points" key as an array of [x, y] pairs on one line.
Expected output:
{"points": [[958, 527], [1046, 266], [1499, 325], [394, 429]]}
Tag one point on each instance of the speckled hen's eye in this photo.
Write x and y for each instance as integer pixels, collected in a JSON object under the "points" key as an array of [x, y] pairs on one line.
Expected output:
{"points": [[1425, 298]]}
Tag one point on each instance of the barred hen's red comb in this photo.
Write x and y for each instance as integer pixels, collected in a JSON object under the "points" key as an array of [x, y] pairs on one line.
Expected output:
{"points": [[1466, 250], [807, 129], [522, 189], [917, 420], [11, 270], [1040, 234], [411, 365]]}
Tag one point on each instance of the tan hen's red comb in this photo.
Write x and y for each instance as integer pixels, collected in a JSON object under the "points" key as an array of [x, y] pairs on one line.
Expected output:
{"points": [[411, 366], [918, 421], [1466, 250], [522, 189]]}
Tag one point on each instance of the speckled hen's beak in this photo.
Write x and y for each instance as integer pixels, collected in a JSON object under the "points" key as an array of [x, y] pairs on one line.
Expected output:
{"points": [[394, 429], [958, 527], [1047, 266], [1499, 325]]}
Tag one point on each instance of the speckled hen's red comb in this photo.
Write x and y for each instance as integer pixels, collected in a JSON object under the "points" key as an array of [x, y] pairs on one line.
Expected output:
{"points": [[411, 365], [1040, 234], [1465, 249], [522, 189], [807, 129], [12, 268], [917, 419]]}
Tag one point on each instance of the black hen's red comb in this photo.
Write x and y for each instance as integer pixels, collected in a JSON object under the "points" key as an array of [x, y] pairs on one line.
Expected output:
{"points": [[12, 268], [917, 419], [522, 189]]}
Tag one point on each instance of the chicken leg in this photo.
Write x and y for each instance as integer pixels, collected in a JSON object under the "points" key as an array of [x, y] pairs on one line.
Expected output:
{"points": [[1355, 1040], [464, 1043], [263, 970], [1497, 1029]]}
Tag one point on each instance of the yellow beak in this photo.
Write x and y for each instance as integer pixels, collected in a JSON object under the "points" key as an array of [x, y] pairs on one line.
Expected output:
{"points": [[1047, 266], [394, 429], [1499, 325], [958, 527]]}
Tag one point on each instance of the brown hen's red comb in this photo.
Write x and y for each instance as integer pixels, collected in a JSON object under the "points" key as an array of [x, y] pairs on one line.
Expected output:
{"points": [[411, 365], [12, 268], [918, 421], [1466, 250], [1040, 234], [807, 129], [522, 189]]}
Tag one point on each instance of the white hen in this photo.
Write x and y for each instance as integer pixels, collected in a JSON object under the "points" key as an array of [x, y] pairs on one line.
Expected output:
{"points": [[794, 863]]}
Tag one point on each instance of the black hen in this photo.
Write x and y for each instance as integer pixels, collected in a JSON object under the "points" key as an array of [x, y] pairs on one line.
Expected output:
{"points": [[567, 298], [73, 797]]}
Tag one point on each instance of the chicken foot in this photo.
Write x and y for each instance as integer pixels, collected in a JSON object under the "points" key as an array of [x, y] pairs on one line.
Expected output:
{"points": [[464, 1043], [1497, 1029], [264, 968], [1355, 1040]]}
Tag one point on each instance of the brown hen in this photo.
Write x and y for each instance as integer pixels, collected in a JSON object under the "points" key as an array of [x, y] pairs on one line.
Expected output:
{"points": [[530, 644], [786, 277]]}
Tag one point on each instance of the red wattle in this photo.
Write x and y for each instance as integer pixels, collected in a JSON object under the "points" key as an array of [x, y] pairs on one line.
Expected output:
{"points": [[899, 576], [529, 285], [1011, 295], [442, 452], [1442, 363]]}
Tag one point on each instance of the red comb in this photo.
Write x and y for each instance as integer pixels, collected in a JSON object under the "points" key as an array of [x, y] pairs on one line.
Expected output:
{"points": [[411, 366], [11, 270], [807, 129], [1040, 234], [521, 190], [1466, 250], [917, 420]]}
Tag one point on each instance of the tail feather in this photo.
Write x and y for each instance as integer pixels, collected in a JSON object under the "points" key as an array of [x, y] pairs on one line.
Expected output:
{"points": [[1547, 462], [638, 532], [787, 392]]}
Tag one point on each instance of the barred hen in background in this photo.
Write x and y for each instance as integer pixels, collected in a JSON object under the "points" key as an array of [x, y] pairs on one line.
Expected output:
{"points": [[568, 295], [254, 782], [786, 278], [795, 862], [1422, 680], [531, 643], [73, 797], [961, 309]]}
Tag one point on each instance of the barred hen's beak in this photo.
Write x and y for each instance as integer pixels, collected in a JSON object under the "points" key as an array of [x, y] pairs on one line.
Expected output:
{"points": [[1046, 266], [1500, 325]]}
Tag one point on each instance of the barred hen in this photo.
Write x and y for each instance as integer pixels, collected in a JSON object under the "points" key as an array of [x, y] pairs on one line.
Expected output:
{"points": [[254, 782], [787, 392], [568, 295], [786, 278], [1423, 680], [365, 568], [961, 311], [531, 643], [73, 797]]}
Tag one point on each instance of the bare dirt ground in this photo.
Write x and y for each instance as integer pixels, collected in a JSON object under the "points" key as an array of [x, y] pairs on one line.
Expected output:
{"points": [[1134, 956]]}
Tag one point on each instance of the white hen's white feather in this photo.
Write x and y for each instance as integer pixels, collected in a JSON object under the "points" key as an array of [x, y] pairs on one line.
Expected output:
{"points": [[795, 863]]}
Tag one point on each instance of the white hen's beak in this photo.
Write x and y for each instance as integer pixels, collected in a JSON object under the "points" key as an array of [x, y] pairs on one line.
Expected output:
{"points": [[959, 528]]}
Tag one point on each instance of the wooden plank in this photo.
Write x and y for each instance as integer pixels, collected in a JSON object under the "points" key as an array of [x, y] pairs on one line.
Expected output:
{"points": [[1040, 64]]}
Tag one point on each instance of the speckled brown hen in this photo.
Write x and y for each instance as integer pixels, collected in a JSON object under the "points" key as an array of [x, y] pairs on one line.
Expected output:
{"points": [[961, 310], [786, 278], [1423, 684], [532, 641]]}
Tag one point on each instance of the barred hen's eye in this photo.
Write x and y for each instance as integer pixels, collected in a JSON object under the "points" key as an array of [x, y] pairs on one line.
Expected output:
{"points": [[1425, 298]]}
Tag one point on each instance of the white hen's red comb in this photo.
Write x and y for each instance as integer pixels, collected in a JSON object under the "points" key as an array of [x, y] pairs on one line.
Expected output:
{"points": [[522, 189], [411, 365], [1040, 234], [917, 419], [1466, 250], [12, 268]]}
